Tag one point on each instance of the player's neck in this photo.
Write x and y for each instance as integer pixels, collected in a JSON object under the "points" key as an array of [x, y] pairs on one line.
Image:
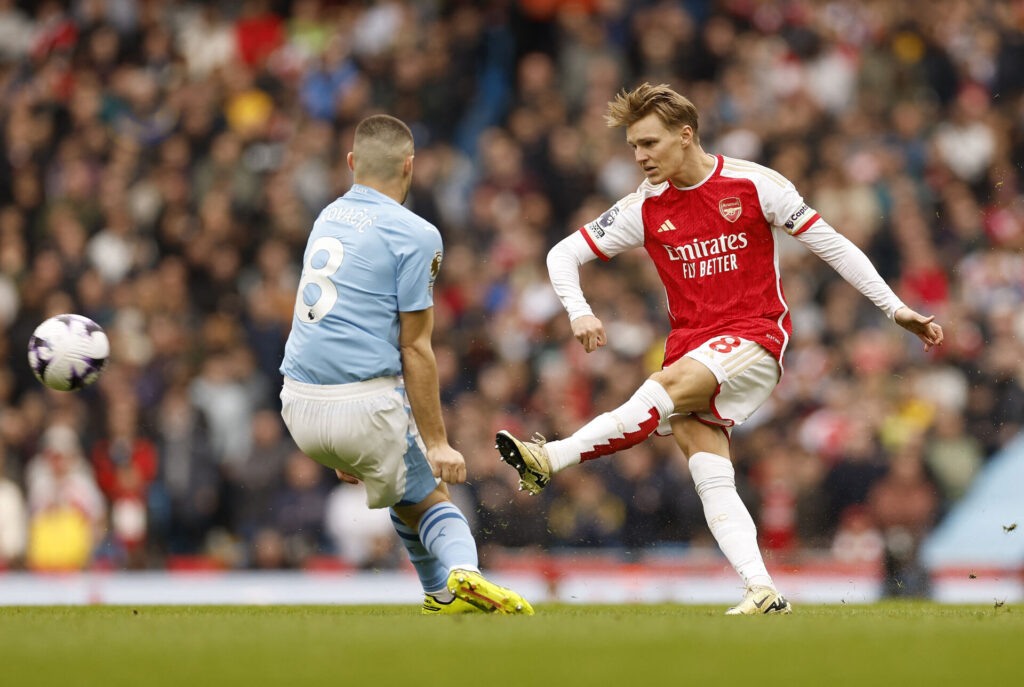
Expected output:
{"points": [[395, 189], [695, 168]]}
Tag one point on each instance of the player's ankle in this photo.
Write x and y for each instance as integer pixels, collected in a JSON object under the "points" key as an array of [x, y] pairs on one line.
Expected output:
{"points": [[443, 596]]}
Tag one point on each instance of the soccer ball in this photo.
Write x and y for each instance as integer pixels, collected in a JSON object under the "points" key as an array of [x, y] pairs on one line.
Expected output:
{"points": [[68, 352]]}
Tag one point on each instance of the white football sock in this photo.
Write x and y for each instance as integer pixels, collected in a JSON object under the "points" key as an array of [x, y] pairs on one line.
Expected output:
{"points": [[442, 595], [728, 518], [627, 425]]}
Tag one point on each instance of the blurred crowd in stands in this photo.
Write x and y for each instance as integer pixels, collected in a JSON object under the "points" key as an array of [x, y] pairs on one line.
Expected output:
{"points": [[162, 162]]}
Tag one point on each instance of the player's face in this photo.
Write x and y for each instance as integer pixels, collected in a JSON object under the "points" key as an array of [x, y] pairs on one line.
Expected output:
{"points": [[657, 149]]}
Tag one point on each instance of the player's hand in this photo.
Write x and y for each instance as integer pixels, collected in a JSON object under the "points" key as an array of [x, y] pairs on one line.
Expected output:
{"points": [[925, 328], [589, 331], [447, 463], [345, 477]]}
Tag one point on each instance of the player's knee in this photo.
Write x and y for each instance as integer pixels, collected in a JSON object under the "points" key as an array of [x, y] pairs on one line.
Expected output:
{"points": [[670, 380], [411, 515], [689, 386]]}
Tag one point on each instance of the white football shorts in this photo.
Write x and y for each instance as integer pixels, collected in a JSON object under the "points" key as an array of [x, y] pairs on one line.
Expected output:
{"points": [[746, 373], [365, 429]]}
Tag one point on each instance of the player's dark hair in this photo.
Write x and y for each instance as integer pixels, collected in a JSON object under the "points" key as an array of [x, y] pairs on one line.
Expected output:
{"points": [[673, 109], [381, 145]]}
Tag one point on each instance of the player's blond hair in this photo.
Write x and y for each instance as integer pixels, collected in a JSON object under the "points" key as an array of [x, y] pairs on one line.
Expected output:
{"points": [[673, 109], [381, 145]]}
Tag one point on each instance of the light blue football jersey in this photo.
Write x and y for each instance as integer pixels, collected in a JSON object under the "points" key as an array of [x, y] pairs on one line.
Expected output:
{"points": [[367, 259]]}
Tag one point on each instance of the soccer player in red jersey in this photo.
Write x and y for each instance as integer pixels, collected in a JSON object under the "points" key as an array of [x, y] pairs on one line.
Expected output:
{"points": [[711, 224]]}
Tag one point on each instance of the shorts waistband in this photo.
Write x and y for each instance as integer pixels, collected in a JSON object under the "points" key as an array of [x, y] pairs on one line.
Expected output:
{"points": [[366, 387]]}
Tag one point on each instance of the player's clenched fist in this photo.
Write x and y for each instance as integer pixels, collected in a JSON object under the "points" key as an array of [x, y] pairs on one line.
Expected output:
{"points": [[447, 463], [589, 331]]}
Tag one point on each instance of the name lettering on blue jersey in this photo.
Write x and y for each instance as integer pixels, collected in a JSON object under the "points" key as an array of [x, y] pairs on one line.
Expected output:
{"points": [[357, 218]]}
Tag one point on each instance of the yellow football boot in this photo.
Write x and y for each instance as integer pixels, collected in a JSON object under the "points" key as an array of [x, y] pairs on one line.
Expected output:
{"points": [[473, 588], [432, 606]]}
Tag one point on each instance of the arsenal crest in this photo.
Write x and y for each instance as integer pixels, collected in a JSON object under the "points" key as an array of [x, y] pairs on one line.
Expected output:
{"points": [[731, 208]]}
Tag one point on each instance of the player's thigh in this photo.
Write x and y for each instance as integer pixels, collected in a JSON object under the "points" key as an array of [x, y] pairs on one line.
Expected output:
{"points": [[747, 374], [371, 437], [347, 434], [688, 383]]}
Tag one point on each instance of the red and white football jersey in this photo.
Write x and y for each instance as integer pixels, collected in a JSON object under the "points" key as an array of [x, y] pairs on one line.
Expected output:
{"points": [[714, 245]]}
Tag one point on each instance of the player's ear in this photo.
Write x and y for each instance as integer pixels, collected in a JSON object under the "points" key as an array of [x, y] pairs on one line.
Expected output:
{"points": [[685, 135], [351, 159], [407, 166]]}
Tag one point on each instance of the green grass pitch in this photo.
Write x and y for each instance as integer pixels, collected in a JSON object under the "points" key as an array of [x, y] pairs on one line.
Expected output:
{"points": [[632, 646]]}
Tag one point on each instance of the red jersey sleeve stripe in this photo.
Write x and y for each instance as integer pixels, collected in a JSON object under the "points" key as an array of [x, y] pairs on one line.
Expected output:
{"points": [[807, 225], [593, 246]]}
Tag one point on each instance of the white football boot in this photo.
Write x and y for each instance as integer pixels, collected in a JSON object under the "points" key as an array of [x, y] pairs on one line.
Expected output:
{"points": [[529, 458], [761, 600]]}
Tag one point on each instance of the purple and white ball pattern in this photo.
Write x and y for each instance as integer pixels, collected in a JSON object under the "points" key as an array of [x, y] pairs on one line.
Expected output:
{"points": [[68, 352]]}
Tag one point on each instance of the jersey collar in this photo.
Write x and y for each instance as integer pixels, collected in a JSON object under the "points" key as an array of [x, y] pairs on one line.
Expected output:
{"points": [[371, 192], [714, 171]]}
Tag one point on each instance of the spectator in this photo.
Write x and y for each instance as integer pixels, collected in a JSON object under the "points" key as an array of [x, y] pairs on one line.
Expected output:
{"points": [[253, 482], [587, 514], [221, 397], [125, 464], [13, 519], [857, 539], [904, 503], [297, 510], [205, 40], [658, 503], [360, 536], [952, 455], [186, 497], [66, 508]]}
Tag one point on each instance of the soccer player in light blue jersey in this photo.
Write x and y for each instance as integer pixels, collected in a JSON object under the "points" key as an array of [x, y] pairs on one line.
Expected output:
{"points": [[360, 379]]}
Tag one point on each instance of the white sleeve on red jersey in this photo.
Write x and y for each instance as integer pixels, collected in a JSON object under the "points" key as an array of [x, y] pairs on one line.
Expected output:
{"points": [[621, 227], [781, 204], [851, 263], [564, 261]]}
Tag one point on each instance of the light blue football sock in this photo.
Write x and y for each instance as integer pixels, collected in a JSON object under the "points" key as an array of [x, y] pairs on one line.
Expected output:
{"points": [[433, 576], [445, 533]]}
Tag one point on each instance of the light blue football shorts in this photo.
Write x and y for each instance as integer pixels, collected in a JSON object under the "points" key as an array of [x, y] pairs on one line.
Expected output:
{"points": [[365, 429]]}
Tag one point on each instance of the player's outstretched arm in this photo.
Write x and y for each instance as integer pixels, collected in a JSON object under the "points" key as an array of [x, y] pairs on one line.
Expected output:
{"points": [[419, 367], [854, 266], [925, 328]]}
